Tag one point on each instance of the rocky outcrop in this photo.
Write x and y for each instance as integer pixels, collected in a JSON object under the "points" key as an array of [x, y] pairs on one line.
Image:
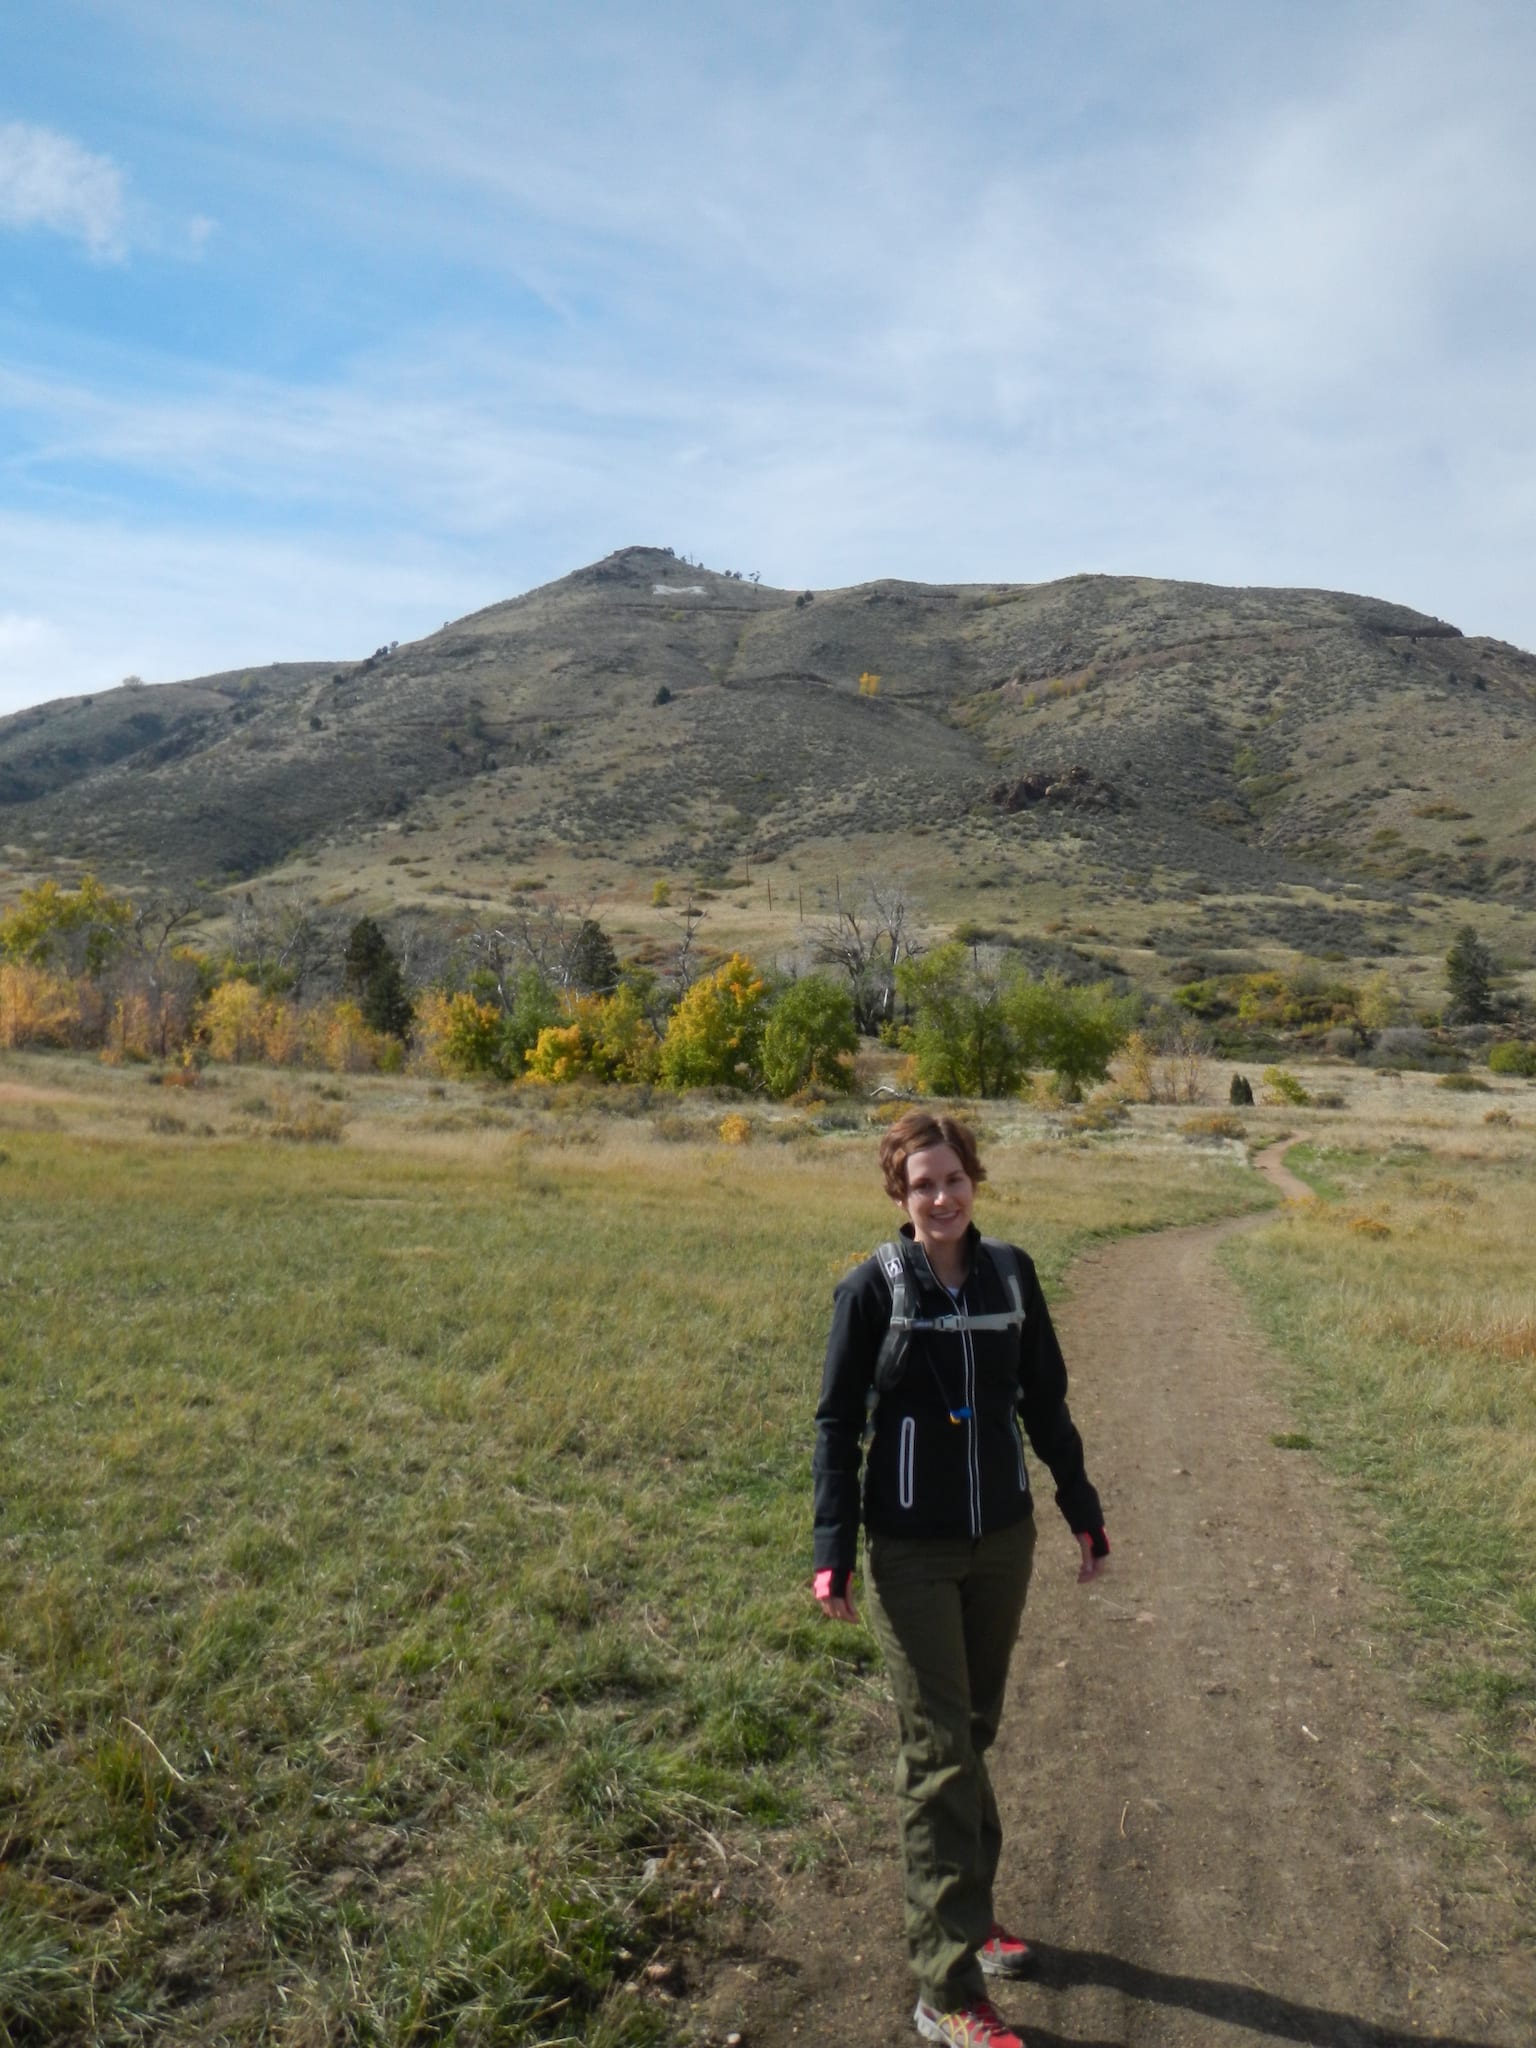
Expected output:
{"points": [[1071, 788]]}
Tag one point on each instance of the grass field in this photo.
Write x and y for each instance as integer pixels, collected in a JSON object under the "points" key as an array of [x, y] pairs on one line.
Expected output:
{"points": [[1404, 1297], [404, 1614]]}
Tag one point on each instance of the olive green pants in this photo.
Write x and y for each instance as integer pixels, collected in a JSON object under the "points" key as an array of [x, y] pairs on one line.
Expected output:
{"points": [[946, 1615]]}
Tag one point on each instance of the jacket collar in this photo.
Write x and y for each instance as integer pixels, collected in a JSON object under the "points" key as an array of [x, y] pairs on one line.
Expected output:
{"points": [[918, 1259]]}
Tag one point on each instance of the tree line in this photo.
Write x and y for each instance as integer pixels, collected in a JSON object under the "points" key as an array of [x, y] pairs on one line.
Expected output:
{"points": [[541, 996]]}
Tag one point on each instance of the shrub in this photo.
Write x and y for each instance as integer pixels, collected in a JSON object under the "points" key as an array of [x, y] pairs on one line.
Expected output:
{"points": [[810, 1039], [735, 1129], [1285, 1087], [1513, 1057], [1216, 1123], [1463, 1084], [1402, 1045], [1136, 1070]]}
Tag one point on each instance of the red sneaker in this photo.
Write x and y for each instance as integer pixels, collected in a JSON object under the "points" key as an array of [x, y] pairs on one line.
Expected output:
{"points": [[1004, 1955], [977, 2025]]}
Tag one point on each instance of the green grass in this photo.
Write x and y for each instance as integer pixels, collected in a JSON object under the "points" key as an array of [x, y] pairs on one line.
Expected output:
{"points": [[404, 1617], [1404, 1300]]}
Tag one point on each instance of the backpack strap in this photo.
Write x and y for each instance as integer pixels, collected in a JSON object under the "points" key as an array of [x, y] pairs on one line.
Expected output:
{"points": [[1006, 1260], [1005, 1264]]}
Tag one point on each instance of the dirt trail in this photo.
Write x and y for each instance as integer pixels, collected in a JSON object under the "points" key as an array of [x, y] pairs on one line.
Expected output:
{"points": [[1212, 1774]]}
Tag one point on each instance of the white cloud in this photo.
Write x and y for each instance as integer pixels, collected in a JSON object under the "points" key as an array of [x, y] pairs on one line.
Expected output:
{"points": [[90, 601], [48, 181]]}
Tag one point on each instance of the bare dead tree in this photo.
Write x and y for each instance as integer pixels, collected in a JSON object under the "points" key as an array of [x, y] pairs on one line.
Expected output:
{"points": [[289, 936], [542, 936], [1184, 1051], [867, 938]]}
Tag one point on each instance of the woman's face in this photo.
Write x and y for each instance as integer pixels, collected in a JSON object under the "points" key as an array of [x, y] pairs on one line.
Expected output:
{"points": [[939, 1196]]}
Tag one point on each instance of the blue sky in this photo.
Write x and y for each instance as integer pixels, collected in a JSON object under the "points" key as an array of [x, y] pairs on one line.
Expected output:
{"points": [[322, 323]]}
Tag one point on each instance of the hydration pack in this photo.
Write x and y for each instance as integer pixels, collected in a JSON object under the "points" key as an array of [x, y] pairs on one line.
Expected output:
{"points": [[890, 1362]]}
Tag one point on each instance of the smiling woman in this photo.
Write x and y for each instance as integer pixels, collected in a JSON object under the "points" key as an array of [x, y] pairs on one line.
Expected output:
{"points": [[941, 1354]]}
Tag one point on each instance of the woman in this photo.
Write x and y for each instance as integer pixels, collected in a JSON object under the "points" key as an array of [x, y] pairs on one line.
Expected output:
{"points": [[941, 1346]]}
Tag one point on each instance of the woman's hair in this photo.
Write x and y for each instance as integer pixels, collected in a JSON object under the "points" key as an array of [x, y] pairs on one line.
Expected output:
{"points": [[917, 1131]]}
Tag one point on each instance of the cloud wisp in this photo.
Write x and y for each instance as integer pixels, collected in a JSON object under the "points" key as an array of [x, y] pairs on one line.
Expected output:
{"points": [[47, 180]]}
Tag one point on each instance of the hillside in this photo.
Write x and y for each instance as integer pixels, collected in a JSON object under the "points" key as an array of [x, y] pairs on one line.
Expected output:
{"points": [[1179, 763]]}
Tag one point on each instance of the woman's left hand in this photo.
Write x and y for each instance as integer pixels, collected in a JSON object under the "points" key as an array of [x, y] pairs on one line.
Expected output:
{"points": [[1091, 1566]]}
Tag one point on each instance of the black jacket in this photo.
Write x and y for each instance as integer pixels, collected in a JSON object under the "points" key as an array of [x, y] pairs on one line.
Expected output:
{"points": [[946, 1457]]}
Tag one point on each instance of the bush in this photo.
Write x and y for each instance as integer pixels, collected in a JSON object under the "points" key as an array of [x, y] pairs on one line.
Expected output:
{"points": [[1513, 1057], [1463, 1084], [1285, 1087], [1401, 1045], [1216, 1123]]}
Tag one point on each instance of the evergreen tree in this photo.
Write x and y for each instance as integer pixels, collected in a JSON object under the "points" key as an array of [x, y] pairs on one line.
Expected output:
{"points": [[1469, 979], [594, 966], [374, 980]]}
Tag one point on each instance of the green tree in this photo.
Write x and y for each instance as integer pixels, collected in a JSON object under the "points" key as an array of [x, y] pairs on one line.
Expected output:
{"points": [[374, 980], [714, 1036], [534, 1007], [80, 930], [1469, 979], [962, 1033], [810, 1038], [1073, 1030]]}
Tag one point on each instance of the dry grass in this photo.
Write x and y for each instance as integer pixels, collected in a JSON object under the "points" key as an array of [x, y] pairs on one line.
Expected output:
{"points": [[406, 1631], [1403, 1293]]}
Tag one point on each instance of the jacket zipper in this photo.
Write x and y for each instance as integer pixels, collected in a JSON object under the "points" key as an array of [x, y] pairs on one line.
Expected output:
{"points": [[972, 1444]]}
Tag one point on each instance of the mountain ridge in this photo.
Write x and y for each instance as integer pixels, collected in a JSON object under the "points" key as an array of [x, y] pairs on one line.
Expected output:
{"points": [[1097, 740]]}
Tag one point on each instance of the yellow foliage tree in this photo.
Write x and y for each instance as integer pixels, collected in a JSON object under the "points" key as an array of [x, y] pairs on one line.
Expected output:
{"points": [[37, 1007], [608, 1038], [715, 1035], [79, 928], [234, 1022], [455, 1034], [336, 1035], [869, 685]]}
